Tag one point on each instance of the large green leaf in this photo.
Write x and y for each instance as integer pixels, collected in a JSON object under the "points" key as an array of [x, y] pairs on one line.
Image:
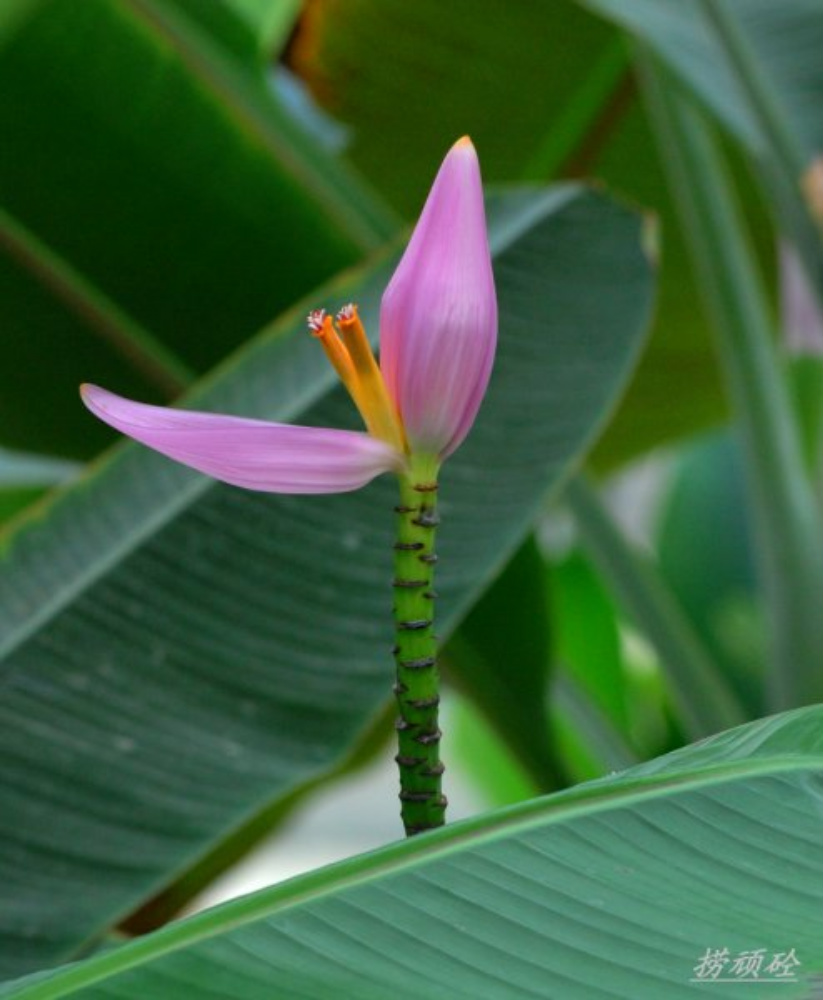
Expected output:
{"points": [[157, 207], [617, 888], [178, 655]]}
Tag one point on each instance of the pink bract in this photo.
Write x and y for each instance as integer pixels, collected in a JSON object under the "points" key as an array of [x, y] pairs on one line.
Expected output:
{"points": [[438, 320], [254, 454]]}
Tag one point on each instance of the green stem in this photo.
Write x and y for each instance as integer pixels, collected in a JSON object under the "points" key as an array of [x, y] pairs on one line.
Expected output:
{"points": [[423, 806]]}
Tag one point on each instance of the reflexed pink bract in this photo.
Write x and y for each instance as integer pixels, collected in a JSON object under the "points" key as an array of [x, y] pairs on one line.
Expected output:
{"points": [[254, 454]]}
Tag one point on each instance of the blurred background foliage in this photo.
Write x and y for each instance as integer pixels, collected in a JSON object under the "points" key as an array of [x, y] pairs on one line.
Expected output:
{"points": [[178, 176]]}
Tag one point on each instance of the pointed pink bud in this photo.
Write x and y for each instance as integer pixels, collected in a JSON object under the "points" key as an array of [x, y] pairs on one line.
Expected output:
{"points": [[438, 321], [255, 454]]}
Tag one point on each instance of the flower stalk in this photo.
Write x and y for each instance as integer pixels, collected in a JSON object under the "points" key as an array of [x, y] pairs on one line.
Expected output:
{"points": [[423, 806]]}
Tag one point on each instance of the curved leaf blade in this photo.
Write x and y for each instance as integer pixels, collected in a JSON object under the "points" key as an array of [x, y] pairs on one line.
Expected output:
{"points": [[615, 888]]}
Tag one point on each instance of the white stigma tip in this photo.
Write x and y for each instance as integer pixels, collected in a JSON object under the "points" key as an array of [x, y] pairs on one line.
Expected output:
{"points": [[347, 313], [315, 320]]}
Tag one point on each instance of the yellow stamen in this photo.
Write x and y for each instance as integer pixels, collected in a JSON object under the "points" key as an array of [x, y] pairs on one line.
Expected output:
{"points": [[371, 398], [351, 355], [321, 326]]}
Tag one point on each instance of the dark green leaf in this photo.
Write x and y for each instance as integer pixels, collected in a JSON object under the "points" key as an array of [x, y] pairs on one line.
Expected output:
{"points": [[250, 28], [525, 80], [170, 194]]}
